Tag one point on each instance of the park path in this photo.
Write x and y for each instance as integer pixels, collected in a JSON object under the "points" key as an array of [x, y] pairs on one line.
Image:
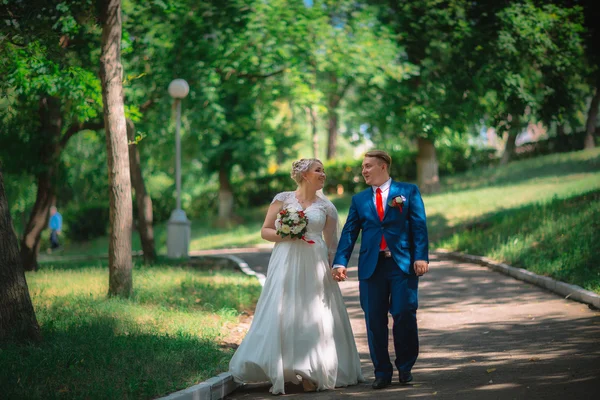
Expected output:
{"points": [[483, 336]]}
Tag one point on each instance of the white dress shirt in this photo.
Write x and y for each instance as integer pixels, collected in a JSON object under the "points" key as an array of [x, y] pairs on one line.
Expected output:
{"points": [[385, 191]]}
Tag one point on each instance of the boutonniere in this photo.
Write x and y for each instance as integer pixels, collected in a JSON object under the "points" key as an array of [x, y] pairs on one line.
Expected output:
{"points": [[397, 201]]}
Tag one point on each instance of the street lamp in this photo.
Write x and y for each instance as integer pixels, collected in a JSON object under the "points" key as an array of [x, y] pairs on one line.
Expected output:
{"points": [[178, 226]]}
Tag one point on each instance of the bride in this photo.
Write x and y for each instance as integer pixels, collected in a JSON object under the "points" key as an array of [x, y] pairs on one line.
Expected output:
{"points": [[301, 330]]}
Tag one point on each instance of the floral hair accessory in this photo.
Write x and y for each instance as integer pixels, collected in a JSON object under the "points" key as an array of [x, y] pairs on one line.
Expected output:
{"points": [[397, 201]]}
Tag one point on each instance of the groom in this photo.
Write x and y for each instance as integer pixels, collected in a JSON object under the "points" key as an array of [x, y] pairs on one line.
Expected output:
{"points": [[393, 254]]}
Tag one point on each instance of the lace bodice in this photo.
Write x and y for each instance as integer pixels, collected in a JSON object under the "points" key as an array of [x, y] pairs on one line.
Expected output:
{"points": [[322, 218]]}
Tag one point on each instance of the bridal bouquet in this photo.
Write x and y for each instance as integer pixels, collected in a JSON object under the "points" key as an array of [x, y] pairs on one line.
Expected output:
{"points": [[291, 222]]}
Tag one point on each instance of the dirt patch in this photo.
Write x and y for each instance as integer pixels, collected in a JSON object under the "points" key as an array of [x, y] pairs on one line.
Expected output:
{"points": [[237, 332]]}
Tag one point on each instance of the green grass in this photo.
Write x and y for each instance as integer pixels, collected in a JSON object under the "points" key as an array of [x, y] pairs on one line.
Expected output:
{"points": [[560, 239], [206, 234], [165, 338], [467, 201]]}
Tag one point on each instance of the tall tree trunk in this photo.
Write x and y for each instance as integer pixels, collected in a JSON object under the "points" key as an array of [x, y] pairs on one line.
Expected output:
{"points": [[225, 193], [332, 130], [562, 141], [143, 200], [38, 221], [312, 114], [51, 124], [509, 148], [111, 76], [427, 167], [332, 117], [590, 125], [17, 317]]}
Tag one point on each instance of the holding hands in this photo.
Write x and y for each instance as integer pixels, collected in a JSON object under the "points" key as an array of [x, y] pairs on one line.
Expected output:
{"points": [[339, 274]]}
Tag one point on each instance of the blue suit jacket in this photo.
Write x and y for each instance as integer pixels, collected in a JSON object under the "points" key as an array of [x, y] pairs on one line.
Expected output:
{"points": [[405, 232]]}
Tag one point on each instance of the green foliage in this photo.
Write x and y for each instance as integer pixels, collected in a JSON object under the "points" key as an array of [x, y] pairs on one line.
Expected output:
{"points": [[531, 57], [166, 338], [86, 222], [551, 145]]}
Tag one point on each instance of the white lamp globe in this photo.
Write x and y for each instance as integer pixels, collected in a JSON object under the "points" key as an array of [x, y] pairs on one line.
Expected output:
{"points": [[178, 88]]}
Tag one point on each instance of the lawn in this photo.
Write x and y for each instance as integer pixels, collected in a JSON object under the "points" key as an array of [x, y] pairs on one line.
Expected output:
{"points": [[473, 202], [166, 338]]}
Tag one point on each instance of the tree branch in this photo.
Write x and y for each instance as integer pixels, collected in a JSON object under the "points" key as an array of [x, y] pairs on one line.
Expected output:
{"points": [[248, 75], [78, 127]]}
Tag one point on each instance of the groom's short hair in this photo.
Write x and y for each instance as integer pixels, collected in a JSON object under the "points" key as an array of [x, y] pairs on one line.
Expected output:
{"points": [[382, 155]]}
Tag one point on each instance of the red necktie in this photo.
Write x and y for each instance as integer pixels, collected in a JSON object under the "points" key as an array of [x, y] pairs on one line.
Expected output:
{"points": [[380, 212]]}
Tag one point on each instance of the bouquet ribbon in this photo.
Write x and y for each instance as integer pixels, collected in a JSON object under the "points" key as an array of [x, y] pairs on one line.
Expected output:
{"points": [[308, 241]]}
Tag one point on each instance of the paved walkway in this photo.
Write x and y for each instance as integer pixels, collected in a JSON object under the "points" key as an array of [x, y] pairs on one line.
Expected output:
{"points": [[483, 336]]}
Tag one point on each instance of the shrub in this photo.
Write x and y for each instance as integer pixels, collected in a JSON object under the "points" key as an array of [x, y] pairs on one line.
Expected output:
{"points": [[87, 221]]}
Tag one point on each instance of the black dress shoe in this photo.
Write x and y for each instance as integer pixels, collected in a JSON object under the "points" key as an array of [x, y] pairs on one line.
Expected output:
{"points": [[381, 383], [405, 377]]}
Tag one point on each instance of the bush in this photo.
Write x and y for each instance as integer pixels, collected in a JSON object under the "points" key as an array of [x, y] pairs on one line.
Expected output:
{"points": [[86, 222], [460, 157], [260, 190], [556, 144]]}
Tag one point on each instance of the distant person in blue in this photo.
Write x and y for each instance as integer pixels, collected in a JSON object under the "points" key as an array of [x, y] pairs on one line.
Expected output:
{"points": [[55, 226]]}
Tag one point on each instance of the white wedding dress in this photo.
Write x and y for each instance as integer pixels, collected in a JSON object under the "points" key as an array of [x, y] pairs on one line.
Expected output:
{"points": [[301, 326]]}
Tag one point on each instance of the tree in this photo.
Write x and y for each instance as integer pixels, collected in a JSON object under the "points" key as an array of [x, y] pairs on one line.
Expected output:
{"points": [[592, 49], [17, 317], [527, 55], [121, 219], [434, 98], [143, 200], [48, 90]]}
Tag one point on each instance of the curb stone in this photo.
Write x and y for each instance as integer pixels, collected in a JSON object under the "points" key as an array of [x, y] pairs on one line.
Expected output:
{"points": [[223, 384], [566, 290]]}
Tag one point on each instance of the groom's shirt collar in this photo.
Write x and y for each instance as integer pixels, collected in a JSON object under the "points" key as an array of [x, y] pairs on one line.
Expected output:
{"points": [[384, 188]]}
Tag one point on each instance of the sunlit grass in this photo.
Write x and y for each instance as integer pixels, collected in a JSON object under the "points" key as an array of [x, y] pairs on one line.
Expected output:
{"points": [[560, 239], [165, 338], [466, 201]]}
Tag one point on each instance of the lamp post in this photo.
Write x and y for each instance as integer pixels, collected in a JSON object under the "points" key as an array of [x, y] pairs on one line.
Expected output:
{"points": [[178, 226]]}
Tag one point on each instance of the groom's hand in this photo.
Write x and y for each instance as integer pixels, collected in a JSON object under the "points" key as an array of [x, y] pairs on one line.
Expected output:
{"points": [[339, 274], [421, 267]]}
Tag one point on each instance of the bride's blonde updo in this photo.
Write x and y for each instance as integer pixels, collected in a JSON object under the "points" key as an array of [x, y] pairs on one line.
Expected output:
{"points": [[301, 166]]}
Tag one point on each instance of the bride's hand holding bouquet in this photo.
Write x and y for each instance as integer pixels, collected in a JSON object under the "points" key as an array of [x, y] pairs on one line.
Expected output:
{"points": [[292, 223]]}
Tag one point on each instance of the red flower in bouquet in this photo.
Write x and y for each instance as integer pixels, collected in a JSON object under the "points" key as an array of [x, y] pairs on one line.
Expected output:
{"points": [[293, 223]]}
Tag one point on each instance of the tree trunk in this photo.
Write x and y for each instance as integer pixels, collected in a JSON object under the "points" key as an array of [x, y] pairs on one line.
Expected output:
{"points": [[51, 125], [562, 141], [38, 221], [111, 76], [590, 126], [225, 194], [17, 317], [427, 167], [509, 148], [332, 130], [332, 116], [143, 200], [312, 113]]}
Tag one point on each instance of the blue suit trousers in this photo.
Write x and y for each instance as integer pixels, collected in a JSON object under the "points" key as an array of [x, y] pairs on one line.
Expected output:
{"points": [[391, 290]]}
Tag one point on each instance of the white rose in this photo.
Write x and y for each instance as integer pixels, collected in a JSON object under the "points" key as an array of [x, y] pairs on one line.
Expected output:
{"points": [[277, 224], [285, 229], [297, 229]]}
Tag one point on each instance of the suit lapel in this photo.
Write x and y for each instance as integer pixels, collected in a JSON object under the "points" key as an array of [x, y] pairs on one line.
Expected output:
{"points": [[369, 198], [391, 194]]}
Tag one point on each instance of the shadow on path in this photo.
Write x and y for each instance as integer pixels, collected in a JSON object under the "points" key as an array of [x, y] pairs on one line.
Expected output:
{"points": [[483, 336]]}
